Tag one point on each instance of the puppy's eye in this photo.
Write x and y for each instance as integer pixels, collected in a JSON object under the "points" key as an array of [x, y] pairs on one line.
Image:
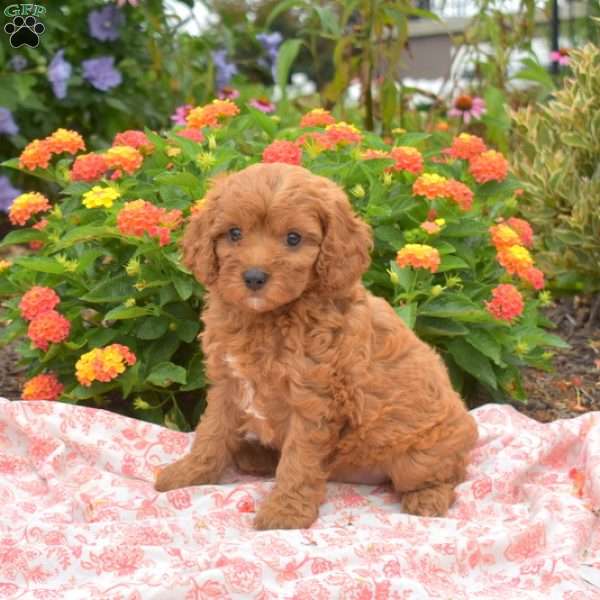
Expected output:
{"points": [[293, 238], [235, 234]]}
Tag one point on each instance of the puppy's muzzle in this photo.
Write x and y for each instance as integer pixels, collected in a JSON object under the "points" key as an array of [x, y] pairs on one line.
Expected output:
{"points": [[255, 278]]}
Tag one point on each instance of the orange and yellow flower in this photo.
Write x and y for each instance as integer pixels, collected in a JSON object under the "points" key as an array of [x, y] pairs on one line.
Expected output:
{"points": [[488, 166], [466, 146], [36, 154], [37, 300], [88, 167], [4, 265], [507, 303], [504, 236], [136, 139], [419, 256], [65, 140], [407, 159], [198, 206], [42, 387], [523, 228], [282, 151], [318, 117], [27, 205], [342, 134], [210, 115], [190, 133], [534, 277], [124, 158], [100, 196], [431, 227], [374, 154], [315, 142], [430, 185], [103, 364], [49, 326], [515, 259], [138, 217], [459, 193]]}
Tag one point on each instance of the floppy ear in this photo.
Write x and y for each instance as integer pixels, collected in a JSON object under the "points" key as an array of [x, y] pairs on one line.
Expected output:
{"points": [[198, 246], [345, 249]]}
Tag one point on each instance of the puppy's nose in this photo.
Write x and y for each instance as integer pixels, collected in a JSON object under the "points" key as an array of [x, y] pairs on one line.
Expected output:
{"points": [[255, 278]]}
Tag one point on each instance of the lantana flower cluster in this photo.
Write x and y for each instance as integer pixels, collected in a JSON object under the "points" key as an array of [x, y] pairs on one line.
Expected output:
{"points": [[139, 216], [46, 325], [104, 364], [37, 154]]}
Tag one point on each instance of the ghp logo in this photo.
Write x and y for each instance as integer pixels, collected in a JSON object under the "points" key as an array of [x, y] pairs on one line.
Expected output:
{"points": [[25, 28]]}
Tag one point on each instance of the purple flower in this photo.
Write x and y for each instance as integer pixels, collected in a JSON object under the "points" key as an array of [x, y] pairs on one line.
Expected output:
{"points": [[104, 23], [101, 73], [467, 107], [59, 71], [225, 69], [18, 63], [7, 122], [180, 115], [262, 104], [228, 93], [7, 193], [270, 43], [560, 56]]}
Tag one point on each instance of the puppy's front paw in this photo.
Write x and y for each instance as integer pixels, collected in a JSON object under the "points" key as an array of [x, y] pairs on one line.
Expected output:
{"points": [[182, 473], [279, 514]]}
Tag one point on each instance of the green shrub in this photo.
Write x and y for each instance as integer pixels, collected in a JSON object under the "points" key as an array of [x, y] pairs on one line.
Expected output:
{"points": [[558, 159], [114, 263]]}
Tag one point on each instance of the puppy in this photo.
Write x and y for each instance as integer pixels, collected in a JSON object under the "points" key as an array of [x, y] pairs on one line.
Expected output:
{"points": [[322, 375]]}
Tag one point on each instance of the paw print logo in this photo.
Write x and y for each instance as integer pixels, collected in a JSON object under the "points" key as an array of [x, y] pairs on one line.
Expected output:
{"points": [[24, 32]]}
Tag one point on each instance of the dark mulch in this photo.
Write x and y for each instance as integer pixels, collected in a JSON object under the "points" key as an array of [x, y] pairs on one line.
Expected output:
{"points": [[11, 375]]}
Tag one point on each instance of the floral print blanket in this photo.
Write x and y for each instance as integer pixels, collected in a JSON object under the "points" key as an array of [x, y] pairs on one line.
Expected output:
{"points": [[79, 518]]}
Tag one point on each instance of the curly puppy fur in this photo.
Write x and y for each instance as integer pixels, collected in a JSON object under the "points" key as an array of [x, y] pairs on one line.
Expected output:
{"points": [[325, 377]]}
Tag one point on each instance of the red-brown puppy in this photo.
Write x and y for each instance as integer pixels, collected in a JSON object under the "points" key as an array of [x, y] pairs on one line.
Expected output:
{"points": [[302, 357]]}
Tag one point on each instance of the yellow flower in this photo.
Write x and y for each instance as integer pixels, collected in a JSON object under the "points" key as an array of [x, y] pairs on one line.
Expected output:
{"points": [[133, 267], [140, 404], [387, 179], [4, 264], [419, 256], [100, 196], [129, 302], [205, 160], [197, 206], [358, 191], [430, 185], [172, 151], [212, 142]]}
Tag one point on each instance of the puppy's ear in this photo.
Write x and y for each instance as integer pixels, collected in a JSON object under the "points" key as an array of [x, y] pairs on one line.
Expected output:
{"points": [[345, 249], [198, 246]]}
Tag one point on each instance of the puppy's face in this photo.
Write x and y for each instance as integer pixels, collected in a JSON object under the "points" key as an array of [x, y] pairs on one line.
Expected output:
{"points": [[269, 232]]}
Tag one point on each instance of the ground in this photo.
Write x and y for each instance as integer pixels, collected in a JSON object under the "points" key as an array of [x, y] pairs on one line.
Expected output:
{"points": [[570, 390]]}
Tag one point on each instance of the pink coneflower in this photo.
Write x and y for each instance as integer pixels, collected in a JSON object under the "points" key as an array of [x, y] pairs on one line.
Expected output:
{"points": [[228, 93], [262, 104], [124, 2], [180, 115], [467, 107], [561, 56]]}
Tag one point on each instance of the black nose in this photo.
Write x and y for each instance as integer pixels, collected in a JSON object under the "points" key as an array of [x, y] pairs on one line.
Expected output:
{"points": [[255, 278]]}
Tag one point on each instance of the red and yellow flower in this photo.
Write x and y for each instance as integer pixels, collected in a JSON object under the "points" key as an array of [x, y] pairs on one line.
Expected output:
{"points": [[136, 139], [282, 151], [459, 193], [37, 300], [515, 259], [36, 154], [27, 205], [488, 166], [419, 256], [88, 167], [466, 146], [430, 185], [523, 228], [49, 326], [103, 364], [65, 140], [504, 236], [534, 277], [374, 154], [211, 115], [407, 159], [124, 158], [318, 117], [507, 303], [342, 134], [138, 217], [42, 387]]}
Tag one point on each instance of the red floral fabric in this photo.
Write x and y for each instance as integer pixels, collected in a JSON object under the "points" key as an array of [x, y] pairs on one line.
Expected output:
{"points": [[79, 518]]}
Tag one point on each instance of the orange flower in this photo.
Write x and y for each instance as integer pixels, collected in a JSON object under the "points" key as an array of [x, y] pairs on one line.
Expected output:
{"points": [[49, 326], [190, 133], [123, 157], [419, 256], [430, 185], [534, 277], [197, 206], [407, 159], [136, 139], [139, 217], [488, 166], [88, 167], [27, 205], [36, 154], [37, 244], [342, 134], [523, 228], [459, 193], [42, 387], [507, 303], [515, 259], [282, 151], [318, 117], [103, 364], [37, 300], [210, 115], [504, 236], [431, 227], [466, 146], [65, 140], [315, 140]]}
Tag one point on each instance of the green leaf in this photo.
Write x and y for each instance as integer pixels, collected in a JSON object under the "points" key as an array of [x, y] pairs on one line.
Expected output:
{"points": [[112, 289], [389, 103], [286, 57], [195, 374], [166, 373], [126, 312], [184, 180], [84, 234], [406, 276], [184, 286], [129, 379], [452, 262], [281, 7], [407, 313], [486, 344], [175, 419], [432, 327], [21, 236], [40, 263], [472, 362], [263, 121], [455, 308], [152, 328], [187, 330]]}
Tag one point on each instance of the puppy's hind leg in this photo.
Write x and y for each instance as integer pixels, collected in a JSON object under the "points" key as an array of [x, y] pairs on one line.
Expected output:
{"points": [[255, 459]]}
